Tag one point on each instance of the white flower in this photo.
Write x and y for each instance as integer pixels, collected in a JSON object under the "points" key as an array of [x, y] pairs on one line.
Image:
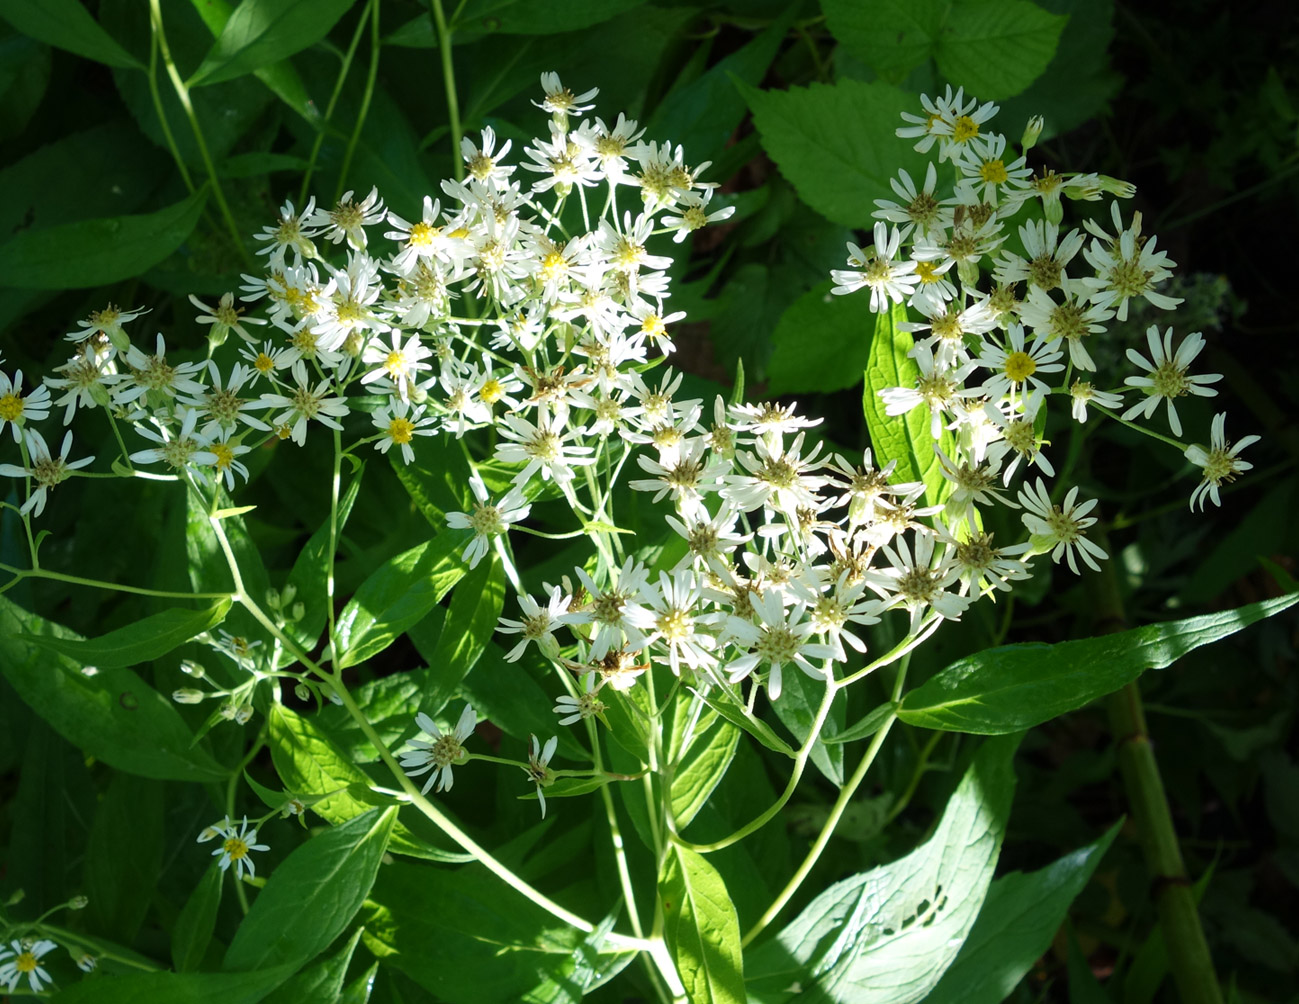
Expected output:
{"points": [[585, 705], [183, 449], [918, 205], [779, 637], [107, 322], [18, 410], [396, 364], [918, 583], [887, 278], [618, 611], [538, 623], [1072, 320], [1219, 462], [305, 404], [1126, 266], [235, 846], [1083, 393], [542, 447], [483, 161], [348, 219], [488, 520], [399, 422], [539, 768], [1059, 528], [292, 233], [24, 960], [154, 373], [439, 755], [983, 166], [46, 469], [1014, 366], [676, 604], [224, 318], [560, 100], [693, 207], [1167, 379], [1019, 435]]}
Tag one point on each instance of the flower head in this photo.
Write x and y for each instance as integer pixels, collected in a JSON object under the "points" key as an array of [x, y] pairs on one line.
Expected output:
{"points": [[24, 960], [235, 845], [438, 756], [1220, 462]]}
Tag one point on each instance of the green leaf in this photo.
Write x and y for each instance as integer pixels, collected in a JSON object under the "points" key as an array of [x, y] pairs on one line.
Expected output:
{"points": [[1016, 926], [437, 482], [262, 32], [177, 988], [524, 17], [1015, 687], [308, 764], [358, 991], [822, 343], [797, 709], [703, 769], [97, 252], [396, 596], [886, 936], [836, 144], [470, 623], [124, 857], [146, 639], [313, 894], [111, 714], [310, 574], [193, 931], [701, 928], [323, 982], [66, 24], [908, 438], [892, 37], [754, 726], [865, 728]]}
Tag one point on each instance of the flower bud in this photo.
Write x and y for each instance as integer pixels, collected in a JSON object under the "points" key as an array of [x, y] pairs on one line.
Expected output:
{"points": [[302, 691], [191, 668], [299, 611], [1031, 132], [78, 903], [244, 714], [87, 962], [188, 695], [1116, 186]]}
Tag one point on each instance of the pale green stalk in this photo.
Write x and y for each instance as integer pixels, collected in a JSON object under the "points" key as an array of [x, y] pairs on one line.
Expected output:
{"points": [[370, 78], [449, 83], [329, 109]]}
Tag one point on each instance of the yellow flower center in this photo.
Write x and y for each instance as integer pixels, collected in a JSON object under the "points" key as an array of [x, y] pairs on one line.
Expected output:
{"points": [[994, 172], [225, 455], [927, 271], [235, 848], [263, 363], [395, 363], [653, 325], [492, 391], [11, 407], [460, 233], [401, 430], [422, 234], [25, 963], [1020, 366], [964, 129]]}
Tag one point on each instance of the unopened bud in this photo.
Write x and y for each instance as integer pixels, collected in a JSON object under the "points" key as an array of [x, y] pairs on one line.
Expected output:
{"points": [[227, 710], [244, 714], [1116, 186], [15, 898], [299, 611], [191, 668], [302, 692], [1031, 132], [78, 903], [273, 598], [287, 594], [87, 962], [187, 695]]}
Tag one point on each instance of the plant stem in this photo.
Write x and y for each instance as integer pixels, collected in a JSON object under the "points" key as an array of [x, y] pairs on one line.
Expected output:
{"points": [[449, 82], [76, 580], [370, 78], [329, 108], [1188, 951]]}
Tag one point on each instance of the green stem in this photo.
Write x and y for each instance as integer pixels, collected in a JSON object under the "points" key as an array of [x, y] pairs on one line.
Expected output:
{"points": [[370, 78], [76, 580], [333, 537], [158, 110], [449, 83], [1181, 447], [182, 93], [1188, 951], [329, 109]]}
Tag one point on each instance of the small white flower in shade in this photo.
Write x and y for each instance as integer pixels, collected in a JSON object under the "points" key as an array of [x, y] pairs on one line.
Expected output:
{"points": [[559, 100], [1015, 366], [220, 404], [108, 323], [348, 219], [538, 623], [225, 318], [235, 847], [971, 483], [483, 161], [153, 373], [1059, 528], [780, 636], [22, 960], [982, 567], [438, 756], [182, 449], [86, 380], [1126, 266], [694, 215], [948, 325], [488, 520], [918, 207], [1083, 393], [984, 166], [951, 121], [832, 611], [1072, 319], [916, 582], [539, 771], [1166, 378], [1048, 256], [87, 962], [618, 611], [585, 705], [937, 386], [709, 540], [1219, 462], [1019, 436], [16, 409], [678, 622], [44, 468], [877, 269], [293, 233]]}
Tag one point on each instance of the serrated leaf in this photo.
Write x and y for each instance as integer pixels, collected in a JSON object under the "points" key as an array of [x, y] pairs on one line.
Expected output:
{"points": [[192, 932], [313, 894], [1016, 926], [892, 37], [701, 928], [145, 640], [908, 438], [836, 144], [112, 714], [396, 596], [66, 24], [821, 343], [262, 32], [97, 252], [1015, 687], [886, 936]]}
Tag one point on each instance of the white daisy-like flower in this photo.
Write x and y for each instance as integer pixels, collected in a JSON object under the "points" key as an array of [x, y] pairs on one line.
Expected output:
{"points": [[1220, 462], [146, 373], [878, 269], [488, 520], [1048, 256], [1019, 436], [483, 161], [543, 447], [348, 220], [918, 206], [399, 422], [938, 387], [1059, 528], [293, 233], [395, 363], [984, 166], [618, 611], [780, 636], [585, 705], [694, 215], [1073, 319], [438, 756], [916, 582], [235, 846], [182, 449], [86, 380], [1015, 366], [22, 959], [678, 623], [305, 403], [971, 482], [538, 624], [775, 476], [709, 540], [1126, 266], [539, 771], [559, 100], [44, 468], [1166, 378], [16, 409], [225, 318], [1083, 393]]}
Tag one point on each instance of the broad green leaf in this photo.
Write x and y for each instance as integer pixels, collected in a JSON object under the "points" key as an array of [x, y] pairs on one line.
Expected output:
{"points": [[390, 703], [703, 769], [892, 37], [124, 857], [463, 935], [396, 596], [886, 936], [865, 728], [1084, 988], [797, 709], [754, 726], [254, 165], [146, 639], [97, 252], [836, 144], [701, 928], [193, 931], [1015, 687], [26, 66], [522, 17], [1016, 926], [310, 574], [313, 894], [111, 714], [66, 24], [308, 764], [262, 32], [438, 480], [359, 990], [468, 629], [822, 343], [176, 988], [323, 982], [908, 438]]}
